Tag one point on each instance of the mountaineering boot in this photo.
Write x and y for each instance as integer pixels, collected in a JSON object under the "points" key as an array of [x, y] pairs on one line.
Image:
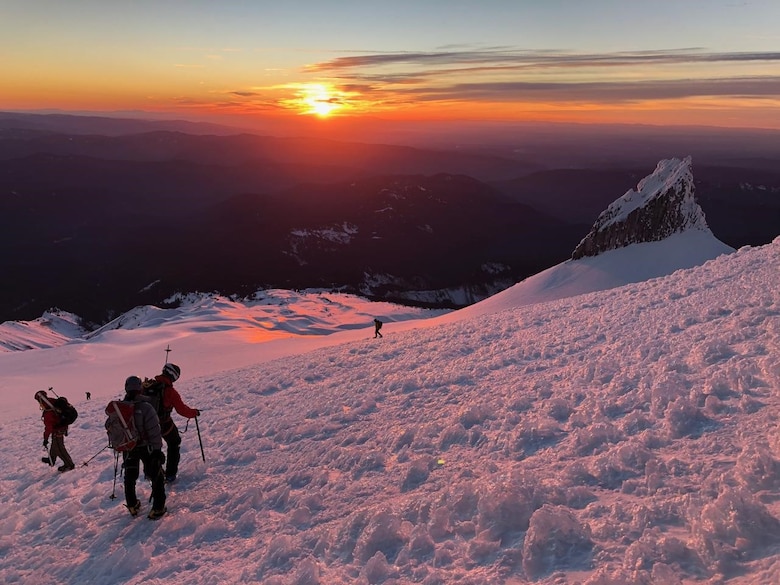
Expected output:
{"points": [[170, 478], [46, 460], [155, 514], [64, 468], [135, 508]]}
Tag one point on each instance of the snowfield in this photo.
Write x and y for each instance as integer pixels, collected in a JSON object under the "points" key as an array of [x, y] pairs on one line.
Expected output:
{"points": [[628, 435]]}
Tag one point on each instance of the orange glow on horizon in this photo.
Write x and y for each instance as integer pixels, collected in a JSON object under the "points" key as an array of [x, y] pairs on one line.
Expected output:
{"points": [[155, 63], [282, 105]]}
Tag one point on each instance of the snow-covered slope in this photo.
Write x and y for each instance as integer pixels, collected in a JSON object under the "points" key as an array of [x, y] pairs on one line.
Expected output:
{"points": [[269, 314], [53, 328], [610, 269], [623, 436], [210, 332]]}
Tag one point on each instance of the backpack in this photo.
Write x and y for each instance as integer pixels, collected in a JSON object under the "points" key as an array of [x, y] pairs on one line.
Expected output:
{"points": [[66, 411], [120, 426], [154, 390]]}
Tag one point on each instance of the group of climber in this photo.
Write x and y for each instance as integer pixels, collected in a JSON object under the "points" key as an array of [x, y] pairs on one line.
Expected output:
{"points": [[151, 402]]}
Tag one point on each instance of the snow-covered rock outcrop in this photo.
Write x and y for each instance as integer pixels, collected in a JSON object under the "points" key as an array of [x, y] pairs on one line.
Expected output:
{"points": [[645, 234], [663, 204]]}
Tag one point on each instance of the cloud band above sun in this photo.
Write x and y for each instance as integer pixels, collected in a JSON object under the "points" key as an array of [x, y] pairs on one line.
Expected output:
{"points": [[499, 81]]}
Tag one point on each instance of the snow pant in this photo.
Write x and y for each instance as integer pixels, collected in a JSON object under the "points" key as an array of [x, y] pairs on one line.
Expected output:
{"points": [[172, 438], [153, 470], [57, 449]]}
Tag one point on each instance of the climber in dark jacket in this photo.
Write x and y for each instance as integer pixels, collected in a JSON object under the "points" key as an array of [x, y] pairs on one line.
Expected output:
{"points": [[148, 451]]}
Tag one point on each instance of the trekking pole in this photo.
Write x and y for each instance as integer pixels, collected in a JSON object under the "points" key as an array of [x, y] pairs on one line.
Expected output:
{"points": [[167, 351], [95, 455], [199, 440], [116, 467]]}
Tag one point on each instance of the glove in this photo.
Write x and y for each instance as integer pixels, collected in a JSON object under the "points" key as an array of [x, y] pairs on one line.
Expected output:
{"points": [[46, 442], [197, 412]]}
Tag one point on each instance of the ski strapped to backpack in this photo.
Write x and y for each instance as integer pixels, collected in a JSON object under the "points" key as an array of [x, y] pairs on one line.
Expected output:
{"points": [[66, 412], [120, 426]]}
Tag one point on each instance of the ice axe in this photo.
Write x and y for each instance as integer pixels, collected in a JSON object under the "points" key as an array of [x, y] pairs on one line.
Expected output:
{"points": [[197, 428]]}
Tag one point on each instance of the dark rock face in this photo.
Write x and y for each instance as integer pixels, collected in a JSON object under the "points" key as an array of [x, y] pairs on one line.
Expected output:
{"points": [[662, 204]]}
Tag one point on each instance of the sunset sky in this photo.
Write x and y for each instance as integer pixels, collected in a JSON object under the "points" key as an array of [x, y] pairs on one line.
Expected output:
{"points": [[707, 62]]}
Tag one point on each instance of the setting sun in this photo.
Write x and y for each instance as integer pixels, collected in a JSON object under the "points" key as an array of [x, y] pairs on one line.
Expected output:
{"points": [[319, 100]]}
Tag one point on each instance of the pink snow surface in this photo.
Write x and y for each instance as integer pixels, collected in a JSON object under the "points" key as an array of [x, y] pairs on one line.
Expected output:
{"points": [[624, 436]]}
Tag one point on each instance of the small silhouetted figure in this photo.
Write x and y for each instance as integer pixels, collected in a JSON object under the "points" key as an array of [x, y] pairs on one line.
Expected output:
{"points": [[377, 327], [89, 395]]}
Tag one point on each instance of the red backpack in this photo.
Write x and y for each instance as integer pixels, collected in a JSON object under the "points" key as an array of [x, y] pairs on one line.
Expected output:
{"points": [[120, 426]]}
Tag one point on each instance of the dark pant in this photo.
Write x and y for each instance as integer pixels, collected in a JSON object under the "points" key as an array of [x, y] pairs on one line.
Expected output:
{"points": [[173, 440], [58, 450], [152, 470]]}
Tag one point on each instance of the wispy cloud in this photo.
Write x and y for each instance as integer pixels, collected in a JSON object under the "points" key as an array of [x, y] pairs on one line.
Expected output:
{"points": [[237, 102], [504, 74], [606, 92], [541, 59], [496, 79]]}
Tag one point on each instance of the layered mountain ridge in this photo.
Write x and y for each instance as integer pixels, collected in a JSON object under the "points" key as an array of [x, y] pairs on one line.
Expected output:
{"points": [[100, 224], [672, 234]]}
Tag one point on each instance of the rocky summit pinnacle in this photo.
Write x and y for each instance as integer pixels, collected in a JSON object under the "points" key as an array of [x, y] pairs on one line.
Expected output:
{"points": [[662, 204]]}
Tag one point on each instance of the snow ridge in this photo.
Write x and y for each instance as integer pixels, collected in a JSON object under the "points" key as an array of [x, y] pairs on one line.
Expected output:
{"points": [[53, 328]]}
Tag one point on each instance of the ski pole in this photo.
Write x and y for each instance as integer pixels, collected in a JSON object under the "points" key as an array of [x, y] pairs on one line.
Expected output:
{"points": [[199, 440], [116, 467], [95, 455]]}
